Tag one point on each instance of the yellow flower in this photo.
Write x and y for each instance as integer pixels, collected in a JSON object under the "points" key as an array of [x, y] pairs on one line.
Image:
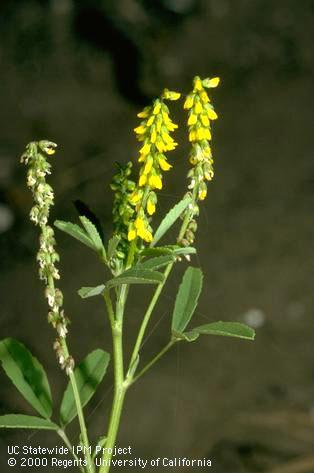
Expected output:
{"points": [[50, 151], [205, 120], [150, 120], [202, 194], [153, 136], [151, 207], [198, 108], [142, 180], [131, 234], [148, 165], [145, 234], [155, 181], [135, 197], [145, 149], [192, 119], [144, 113], [189, 102], [139, 223], [198, 84], [157, 108], [212, 115], [170, 95], [213, 82], [140, 129], [163, 163]]}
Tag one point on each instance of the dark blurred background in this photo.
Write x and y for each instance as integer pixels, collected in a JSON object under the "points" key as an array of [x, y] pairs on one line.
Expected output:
{"points": [[77, 72]]}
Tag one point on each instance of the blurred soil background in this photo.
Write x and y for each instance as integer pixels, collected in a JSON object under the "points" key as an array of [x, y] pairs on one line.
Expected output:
{"points": [[77, 73]]}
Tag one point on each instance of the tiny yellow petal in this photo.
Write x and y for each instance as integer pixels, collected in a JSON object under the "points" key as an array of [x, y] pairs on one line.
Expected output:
{"points": [[202, 194], [140, 129], [160, 145], [150, 120], [144, 113], [145, 149], [192, 135], [204, 97], [156, 109], [192, 119], [151, 208], [207, 134], [139, 223], [214, 82], [198, 108], [131, 235], [142, 180], [163, 163], [148, 166], [155, 182], [198, 84], [153, 136], [205, 120], [212, 115], [50, 151], [188, 102]]}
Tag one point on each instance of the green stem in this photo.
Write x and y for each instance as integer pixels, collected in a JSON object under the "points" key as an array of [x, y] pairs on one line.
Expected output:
{"points": [[67, 442], [153, 361], [148, 314], [119, 393], [80, 414]]}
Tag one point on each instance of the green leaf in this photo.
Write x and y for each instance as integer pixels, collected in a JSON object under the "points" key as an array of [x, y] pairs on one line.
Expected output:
{"points": [[76, 232], [20, 421], [170, 219], [112, 246], [85, 292], [94, 235], [27, 374], [88, 375], [187, 298], [155, 263], [224, 329], [136, 276]]}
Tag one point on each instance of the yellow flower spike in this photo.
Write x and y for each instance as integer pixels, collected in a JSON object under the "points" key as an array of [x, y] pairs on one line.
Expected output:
{"points": [[189, 101], [192, 119], [145, 149], [157, 108], [163, 163], [212, 115], [142, 180], [155, 181], [151, 207], [198, 108]]}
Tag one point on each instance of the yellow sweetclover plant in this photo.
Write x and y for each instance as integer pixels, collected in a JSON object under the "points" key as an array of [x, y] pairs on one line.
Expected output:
{"points": [[132, 255]]}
